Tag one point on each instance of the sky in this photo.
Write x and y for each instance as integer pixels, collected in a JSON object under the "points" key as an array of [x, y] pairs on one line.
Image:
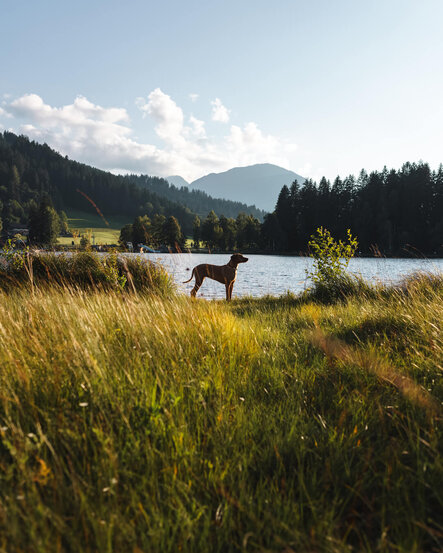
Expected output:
{"points": [[319, 87]]}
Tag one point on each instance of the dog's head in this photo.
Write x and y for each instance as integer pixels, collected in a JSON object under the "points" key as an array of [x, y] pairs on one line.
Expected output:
{"points": [[238, 258]]}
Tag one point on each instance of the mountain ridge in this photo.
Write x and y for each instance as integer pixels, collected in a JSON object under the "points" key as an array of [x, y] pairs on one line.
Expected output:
{"points": [[257, 184]]}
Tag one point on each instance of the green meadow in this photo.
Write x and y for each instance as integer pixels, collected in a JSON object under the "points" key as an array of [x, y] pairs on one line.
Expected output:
{"points": [[144, 421], [102, 233], [95, 226]]}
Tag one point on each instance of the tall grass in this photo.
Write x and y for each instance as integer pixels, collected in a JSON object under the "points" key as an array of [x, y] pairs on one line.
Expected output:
{"points": [[150, 423], [84, 270]]}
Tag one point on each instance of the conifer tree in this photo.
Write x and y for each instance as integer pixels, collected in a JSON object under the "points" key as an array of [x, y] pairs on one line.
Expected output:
{"points": [[142, 230], [173, 234], [44, 223], [126, 234], [196, 231], [211, 230]]}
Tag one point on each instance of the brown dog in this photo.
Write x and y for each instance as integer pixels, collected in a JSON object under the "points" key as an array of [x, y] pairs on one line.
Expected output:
{"points": [[226, 274]]}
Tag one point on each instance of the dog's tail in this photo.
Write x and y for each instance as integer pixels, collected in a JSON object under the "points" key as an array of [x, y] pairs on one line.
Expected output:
{"points": [[192, 276]]}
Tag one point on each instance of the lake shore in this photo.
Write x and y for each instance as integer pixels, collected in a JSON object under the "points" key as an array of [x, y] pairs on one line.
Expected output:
{"points": [[141, 422], [412, 254]]}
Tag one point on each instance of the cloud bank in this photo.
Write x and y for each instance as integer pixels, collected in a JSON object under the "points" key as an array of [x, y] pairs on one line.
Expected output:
{"points": [[103, 137]]}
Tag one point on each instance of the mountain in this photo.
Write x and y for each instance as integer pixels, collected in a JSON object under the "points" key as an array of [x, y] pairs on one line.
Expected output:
{"points": [[258, 184], [196, 200], [177, 180]]}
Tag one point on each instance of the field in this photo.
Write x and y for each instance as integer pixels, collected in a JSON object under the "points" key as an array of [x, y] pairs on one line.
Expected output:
{"points": [[143, 423], [101, 233]]}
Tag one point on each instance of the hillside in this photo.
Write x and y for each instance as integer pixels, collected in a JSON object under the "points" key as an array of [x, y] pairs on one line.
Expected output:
{"points": [[196, 200], [259, 184], [29, 170]]}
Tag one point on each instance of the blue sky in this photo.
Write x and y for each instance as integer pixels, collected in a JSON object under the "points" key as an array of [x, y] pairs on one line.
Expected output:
{"points": [[319, 87]]}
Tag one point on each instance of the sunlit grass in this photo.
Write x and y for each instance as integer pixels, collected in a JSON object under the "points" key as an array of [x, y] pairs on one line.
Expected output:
{"points": [[101, 233], [99, 236], [134, 422]]}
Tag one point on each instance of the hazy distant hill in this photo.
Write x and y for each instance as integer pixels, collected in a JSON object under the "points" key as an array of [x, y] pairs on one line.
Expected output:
{"points": [[257, 184], [177, 180]]}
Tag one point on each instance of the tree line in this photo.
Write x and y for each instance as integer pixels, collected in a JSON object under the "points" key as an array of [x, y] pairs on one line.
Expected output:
{"points": [[391, 211], [221, 233], [156, 232], [227, 233]]}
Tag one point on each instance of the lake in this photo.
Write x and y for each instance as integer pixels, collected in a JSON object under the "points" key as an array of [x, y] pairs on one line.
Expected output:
{"points": [[275, 275]]}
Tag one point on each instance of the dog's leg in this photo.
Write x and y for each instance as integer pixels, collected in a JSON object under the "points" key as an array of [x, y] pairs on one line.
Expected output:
{"points": [[229, 291], [198, 283]]}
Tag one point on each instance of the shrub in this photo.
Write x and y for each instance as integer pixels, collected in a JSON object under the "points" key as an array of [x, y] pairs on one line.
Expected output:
{"points": [[331, 259]]}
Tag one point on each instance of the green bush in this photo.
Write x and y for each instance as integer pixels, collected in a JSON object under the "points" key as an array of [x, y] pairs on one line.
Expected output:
{"points": [[331, 259]]}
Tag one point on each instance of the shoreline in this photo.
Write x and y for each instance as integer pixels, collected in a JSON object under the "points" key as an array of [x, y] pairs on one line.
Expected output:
{"points": [[207, 251]]}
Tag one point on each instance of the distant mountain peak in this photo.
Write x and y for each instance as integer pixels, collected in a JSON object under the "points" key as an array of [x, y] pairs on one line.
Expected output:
{"points": [[258, 184], [177, 180]]}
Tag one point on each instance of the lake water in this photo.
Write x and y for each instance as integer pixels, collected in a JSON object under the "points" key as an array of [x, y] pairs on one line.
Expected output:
{"points": [[275, 275]]}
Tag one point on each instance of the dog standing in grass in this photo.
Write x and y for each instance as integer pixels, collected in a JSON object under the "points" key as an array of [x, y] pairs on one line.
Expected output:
{"points": [[226, 274]]}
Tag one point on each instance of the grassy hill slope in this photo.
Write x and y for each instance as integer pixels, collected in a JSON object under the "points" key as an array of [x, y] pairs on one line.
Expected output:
{"points": [[102, 234]]}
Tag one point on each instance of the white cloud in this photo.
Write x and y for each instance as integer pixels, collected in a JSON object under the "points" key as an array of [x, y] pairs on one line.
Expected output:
{"points": [[168, 116], [219, 112], [104, 138], [194, 97], [82, 110], [198, 127], [4, 113]]}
